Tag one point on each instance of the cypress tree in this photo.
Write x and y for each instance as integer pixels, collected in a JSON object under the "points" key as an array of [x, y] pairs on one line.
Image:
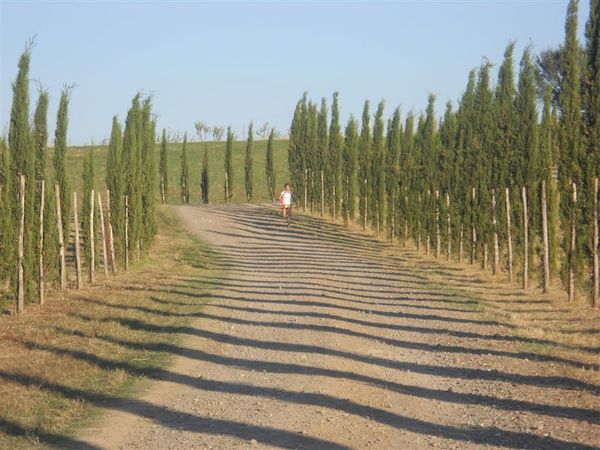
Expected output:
{"points": [[394, 137], [164, 168], [132, 161], [448, 160], [184, 180], [204, 176], [23, 163], [296, 145], [59, 160], [248, 164], [115, 182], [228, 163], [270, 170], [377, 200], [149, 175], [364, 161], [350, 169], [406, 165], [335, 150], [311, 152], [570, 158], [323, 158], [504, 161], [88, 186], [40, 134]]}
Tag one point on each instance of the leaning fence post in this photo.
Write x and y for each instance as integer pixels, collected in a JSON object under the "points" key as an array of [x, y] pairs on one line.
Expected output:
{"points": [[77, 248], [127, 230], [573, 246], [496, 266], [525, 239], [41, 242], [596, 293], [92, 238], [103, 230], [111, 234], [546, 256], [21, 249], [61, 240], [509, 234]]}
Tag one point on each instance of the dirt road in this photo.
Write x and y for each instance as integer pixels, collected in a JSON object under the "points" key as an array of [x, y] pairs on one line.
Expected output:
{"points": [[318, 338]]}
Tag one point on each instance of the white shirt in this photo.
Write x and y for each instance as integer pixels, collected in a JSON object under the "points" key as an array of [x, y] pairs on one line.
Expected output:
{"points": [[286, 198]]}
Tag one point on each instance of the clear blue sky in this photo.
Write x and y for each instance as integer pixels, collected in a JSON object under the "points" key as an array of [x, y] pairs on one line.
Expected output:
{"points": [[233, 62]]}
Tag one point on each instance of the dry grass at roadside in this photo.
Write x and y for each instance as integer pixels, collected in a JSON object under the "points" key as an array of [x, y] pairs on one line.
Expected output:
{"points": [[75, 345]]}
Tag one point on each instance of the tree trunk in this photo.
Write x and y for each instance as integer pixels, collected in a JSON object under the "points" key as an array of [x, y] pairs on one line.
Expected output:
{"points": [[473, 230], [525, 239], [111, 234], [103, 230], [496, 266], [61, 240], [449, 227], [21, 249], [572, 247], [41, 243], [509, 235], [127, 230], [92, 238], [77, 247], [596, 293], [546, 255], [438, 235]]}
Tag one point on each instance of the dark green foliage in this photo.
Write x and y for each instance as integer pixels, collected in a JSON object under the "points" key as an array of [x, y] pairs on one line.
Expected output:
{"points": [[350, 156], [504, 162], [270, 171], [184, 179], [60, 152], [115, 182], [88, 186], [378, 171], [364, 164], [40, 134], [229, 165], [7, 221], [204, 177], [392, 177], [323, 163], [148, 176], [248, 164], [335, 152], [163, 168]]}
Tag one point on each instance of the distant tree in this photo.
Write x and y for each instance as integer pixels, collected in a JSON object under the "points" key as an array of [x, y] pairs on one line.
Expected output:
{"points": [[218, 133], [265, 130], [204, 176], [202, 130], [163, 168], [184, 180], [248, 164], [269, 166], [229, 165]]}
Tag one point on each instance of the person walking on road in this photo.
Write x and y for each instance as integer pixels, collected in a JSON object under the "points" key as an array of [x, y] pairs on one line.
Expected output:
{"points": [[285, 200]]}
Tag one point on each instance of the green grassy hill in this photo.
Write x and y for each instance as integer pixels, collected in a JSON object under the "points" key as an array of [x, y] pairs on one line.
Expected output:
{"points": [[216, 153]]}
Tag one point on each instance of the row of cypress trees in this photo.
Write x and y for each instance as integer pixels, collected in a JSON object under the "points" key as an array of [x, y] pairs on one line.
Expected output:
{"points": [[184, 180], [494, 140], [25, 153], [130, 172]]}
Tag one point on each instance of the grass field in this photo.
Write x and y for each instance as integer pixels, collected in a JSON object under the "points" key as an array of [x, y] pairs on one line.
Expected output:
{"points": [[216, 153]]}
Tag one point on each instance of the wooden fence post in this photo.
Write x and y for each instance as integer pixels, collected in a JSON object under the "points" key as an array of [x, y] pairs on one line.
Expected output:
{"points": [[92, 238], [41, 242], [509, 234], [77, 247], [525, 239], [111, 234], [438, 235], [596, 283], [306, 192], [366, 207], [460, 242], [127, 230], [61, 240], [573, 246], [393, 213], [546, 255], [419, 223], [21, 248], [496, 266], [449, 226], [473, 230], [103, 233], [405, 220], [322, 195], [226, 195]]}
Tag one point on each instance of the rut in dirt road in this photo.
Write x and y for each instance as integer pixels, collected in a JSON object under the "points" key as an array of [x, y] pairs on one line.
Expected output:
{"points": [[315, 337]]}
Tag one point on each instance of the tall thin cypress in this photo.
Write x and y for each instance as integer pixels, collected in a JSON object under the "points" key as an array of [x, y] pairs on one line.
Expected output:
{"points": [[248, 164], [164, 168], [335, 150], [350, 169], [88, 186], [184, 179], [149, 175], [204, 176], [377, 199], [364, 161], [269, 166], [115, 182], [59, 160], [229, 164]]}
